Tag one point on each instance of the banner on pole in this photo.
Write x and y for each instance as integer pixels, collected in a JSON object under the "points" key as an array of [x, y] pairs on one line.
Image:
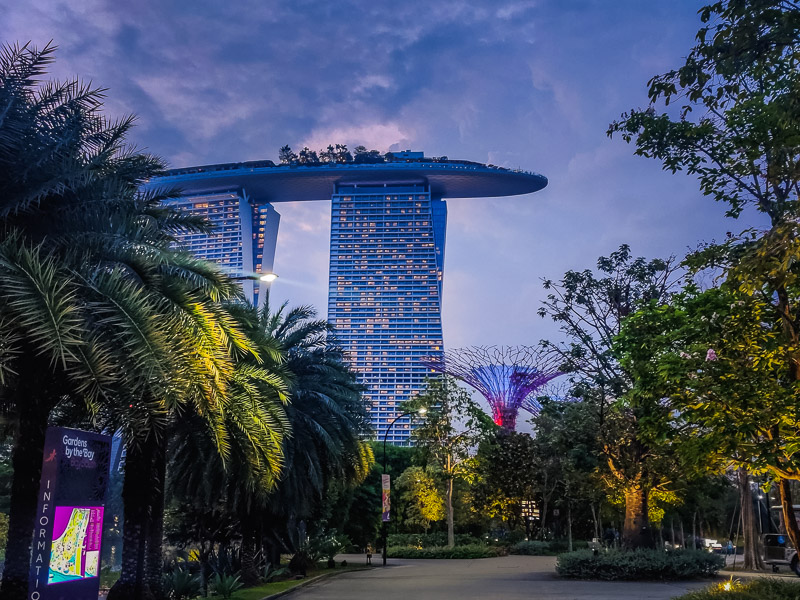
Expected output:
{"points": [[386, 492], [69, 517]]}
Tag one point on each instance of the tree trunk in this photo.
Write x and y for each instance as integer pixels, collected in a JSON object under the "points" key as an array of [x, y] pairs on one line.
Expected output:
{"points": [[636, 531], [154, 554], [451, 534], [672, 531], [250, 568], [543, 517], [694, 530], [594, 521], [787, 507], [136, 497], [683, 536], [26, 460], [205, 572], [569, 526], [752, 553], [600, 521]]}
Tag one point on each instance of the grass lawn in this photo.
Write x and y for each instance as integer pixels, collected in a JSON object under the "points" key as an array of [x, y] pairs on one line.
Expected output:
{"points": [[261, 591]]}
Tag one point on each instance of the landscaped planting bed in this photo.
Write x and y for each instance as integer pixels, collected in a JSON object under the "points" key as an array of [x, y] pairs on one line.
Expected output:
{"points": [[758, 589], [632, 565], [467, 551]]}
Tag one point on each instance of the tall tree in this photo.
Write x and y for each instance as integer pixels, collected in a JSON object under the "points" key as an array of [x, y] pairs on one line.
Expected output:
{"points": [[454, 425], [98, 310], [327, 422], [419, 491], [591, 310], [737, 128], [506, 471], [717, 356]]}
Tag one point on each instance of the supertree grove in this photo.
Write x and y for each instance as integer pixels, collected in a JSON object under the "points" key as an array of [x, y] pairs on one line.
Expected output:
{"points": [[505, 375]]}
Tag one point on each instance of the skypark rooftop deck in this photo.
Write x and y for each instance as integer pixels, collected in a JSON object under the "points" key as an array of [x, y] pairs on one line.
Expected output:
{"points": [[267, 182]]}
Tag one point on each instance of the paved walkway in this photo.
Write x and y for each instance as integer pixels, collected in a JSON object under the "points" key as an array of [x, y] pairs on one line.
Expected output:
{"points": [[507, 578]]}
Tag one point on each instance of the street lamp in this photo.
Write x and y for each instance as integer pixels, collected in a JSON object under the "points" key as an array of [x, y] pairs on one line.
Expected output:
{"points": [[421, 412], [267, 277]]}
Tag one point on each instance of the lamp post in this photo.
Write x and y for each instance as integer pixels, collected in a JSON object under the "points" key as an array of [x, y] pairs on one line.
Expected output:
{"points": [[268, 277], [421, 412]]}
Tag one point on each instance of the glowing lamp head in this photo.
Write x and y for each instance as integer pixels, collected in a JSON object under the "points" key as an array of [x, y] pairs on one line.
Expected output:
{"points": [[268, 277], [422, 411]]}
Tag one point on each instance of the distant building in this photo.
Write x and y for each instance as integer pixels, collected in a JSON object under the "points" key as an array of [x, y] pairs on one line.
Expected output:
{"points": [[243, 240], [388, 222]]}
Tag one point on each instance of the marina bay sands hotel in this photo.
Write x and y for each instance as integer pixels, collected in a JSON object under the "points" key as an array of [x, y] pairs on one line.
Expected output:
{"points": [[387, 248]]}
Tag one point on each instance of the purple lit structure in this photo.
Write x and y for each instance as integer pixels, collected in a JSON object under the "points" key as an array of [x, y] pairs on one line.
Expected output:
{"points": [[532, 405], [506, 376]]}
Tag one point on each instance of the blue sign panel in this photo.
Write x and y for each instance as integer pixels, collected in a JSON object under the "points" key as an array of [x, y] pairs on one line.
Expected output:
{"points": [[65, 564]]}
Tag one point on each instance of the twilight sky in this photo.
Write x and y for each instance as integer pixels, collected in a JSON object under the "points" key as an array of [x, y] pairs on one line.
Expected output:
{"points": [[517, 83]]}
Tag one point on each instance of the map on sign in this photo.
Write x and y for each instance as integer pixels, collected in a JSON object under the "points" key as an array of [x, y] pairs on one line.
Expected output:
{"points": [[75, 553]]}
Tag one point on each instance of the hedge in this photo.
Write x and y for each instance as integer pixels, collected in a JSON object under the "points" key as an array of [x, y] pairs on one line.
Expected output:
{"points": [[427, 540], [538, 548], [531, 548], [757, 589], [639, 564], [467, 551]]}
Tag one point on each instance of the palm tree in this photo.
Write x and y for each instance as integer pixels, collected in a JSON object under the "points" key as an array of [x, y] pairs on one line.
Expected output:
{"points": [[97, 308], [328, 419], [257, 423]]}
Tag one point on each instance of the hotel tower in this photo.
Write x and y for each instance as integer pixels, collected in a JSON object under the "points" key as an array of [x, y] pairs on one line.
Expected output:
{"points": [[388, 222]]}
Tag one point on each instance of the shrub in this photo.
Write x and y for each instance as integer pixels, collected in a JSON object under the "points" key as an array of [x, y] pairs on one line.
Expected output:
{"points": [[428, 540], [225, 586], [559, 546], [274, 573], [758, 589], [327, 545], [181, 584], [532, 548], [467, 551], [301, 563], [639, 564]]}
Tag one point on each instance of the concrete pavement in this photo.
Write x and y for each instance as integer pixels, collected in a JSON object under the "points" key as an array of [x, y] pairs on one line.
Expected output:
{"points": [[508, 578]]}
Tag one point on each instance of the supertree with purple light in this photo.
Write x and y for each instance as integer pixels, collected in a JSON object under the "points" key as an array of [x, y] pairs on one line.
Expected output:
{"points": [[505, 375], [555, 392]]}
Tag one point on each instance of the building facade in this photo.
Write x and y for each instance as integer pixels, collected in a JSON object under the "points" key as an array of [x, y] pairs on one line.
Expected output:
{"points": [[243, 238], [387, 243], [385, 291]]}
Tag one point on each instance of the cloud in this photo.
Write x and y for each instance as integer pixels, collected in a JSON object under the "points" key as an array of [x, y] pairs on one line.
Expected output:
{"points": [[515, 83], [202, 109]]}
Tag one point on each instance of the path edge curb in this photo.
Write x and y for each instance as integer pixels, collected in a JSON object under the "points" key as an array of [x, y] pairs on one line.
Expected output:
{"points": [[311, 580]]}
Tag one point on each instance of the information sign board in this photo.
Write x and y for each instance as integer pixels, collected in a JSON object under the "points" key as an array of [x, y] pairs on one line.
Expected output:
{"points": [[65, 563]]}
